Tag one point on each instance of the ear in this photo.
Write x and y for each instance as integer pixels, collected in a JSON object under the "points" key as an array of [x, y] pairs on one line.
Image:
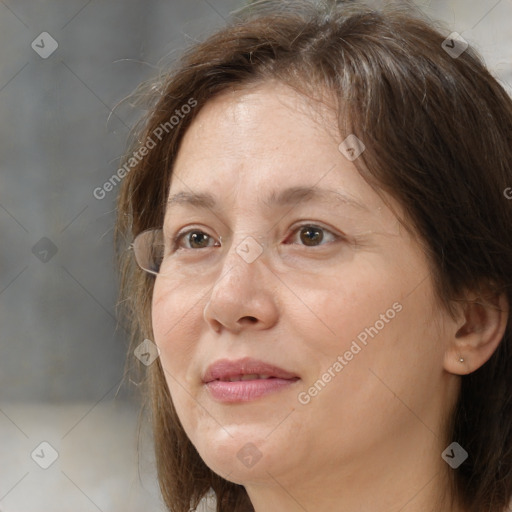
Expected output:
{"points": [[477, 333]]}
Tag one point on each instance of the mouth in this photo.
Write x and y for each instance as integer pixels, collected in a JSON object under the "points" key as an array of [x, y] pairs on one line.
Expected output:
{"points": [[250, 376], [245, 379]]}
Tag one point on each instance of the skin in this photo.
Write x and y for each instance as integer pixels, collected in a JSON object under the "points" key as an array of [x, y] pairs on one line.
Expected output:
{"points": [[372, 438]]}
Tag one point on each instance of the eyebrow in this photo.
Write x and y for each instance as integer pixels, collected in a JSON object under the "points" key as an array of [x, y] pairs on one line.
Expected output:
{"points": [[286, 197]]}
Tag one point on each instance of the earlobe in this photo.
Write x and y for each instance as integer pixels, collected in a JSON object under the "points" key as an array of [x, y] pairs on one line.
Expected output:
{"points": [[477, 334]]}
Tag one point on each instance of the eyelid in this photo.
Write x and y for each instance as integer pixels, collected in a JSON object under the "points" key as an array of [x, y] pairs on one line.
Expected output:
{"points": [[176, 239], [294, 229]]}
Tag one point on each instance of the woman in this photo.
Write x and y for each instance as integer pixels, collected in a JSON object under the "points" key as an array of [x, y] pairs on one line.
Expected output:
{"points": [[324, 263]]}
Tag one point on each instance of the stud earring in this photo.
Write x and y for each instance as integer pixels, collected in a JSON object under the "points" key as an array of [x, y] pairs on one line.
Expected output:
{"points": [[461, 360]]}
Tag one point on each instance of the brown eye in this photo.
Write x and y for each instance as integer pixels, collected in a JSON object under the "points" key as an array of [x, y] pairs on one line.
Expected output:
{"points": [[196, 239], [312, 236]]}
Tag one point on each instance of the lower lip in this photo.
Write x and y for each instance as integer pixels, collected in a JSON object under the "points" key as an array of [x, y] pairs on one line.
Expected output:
{"points": [[246, 390]]}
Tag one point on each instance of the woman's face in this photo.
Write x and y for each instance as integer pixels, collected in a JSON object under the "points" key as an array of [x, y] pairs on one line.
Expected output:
{"points": [[294, 261]]}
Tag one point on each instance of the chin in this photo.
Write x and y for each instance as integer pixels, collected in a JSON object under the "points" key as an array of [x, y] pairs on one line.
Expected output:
{"points": [[233, 470], [243, 456]]}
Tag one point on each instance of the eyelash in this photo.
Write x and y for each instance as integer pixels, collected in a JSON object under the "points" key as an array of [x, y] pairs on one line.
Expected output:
{"points": [[177, 239]]}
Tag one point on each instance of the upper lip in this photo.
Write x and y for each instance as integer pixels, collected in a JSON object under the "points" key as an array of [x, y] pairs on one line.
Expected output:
{"points": [[224, 369]]}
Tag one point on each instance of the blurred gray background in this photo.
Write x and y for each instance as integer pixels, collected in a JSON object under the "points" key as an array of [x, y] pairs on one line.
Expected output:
{"points": [[61, 356]]}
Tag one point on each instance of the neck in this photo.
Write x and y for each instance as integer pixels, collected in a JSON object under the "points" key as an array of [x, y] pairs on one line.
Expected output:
{"points": [[425, 497], [406, 480]]}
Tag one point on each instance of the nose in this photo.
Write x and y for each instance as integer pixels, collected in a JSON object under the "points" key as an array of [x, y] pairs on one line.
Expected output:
{"points": [[244, 294]]}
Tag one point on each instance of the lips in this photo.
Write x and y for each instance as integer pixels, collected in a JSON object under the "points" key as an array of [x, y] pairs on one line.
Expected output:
{"points": [[246, 369], [245, 380]]}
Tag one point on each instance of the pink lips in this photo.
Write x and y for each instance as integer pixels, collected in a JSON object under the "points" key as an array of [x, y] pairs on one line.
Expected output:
{"points": [[222, 379]]}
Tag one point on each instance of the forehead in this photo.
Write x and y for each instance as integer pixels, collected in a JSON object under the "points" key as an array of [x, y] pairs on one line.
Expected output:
{"points": [[258, 143], [260, 121]]}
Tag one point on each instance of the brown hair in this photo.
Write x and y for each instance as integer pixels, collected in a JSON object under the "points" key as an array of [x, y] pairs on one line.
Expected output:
{"points": [[438, 137]]}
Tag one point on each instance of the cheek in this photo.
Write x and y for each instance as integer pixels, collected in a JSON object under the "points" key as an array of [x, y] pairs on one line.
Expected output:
{"points": [[343, 307], [175, 325], [376, 318], [175, 334], [394, 351], [369, 362]]}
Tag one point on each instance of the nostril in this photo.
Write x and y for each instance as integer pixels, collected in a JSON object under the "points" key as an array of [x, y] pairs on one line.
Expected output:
{"points": [[251, 319]]}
